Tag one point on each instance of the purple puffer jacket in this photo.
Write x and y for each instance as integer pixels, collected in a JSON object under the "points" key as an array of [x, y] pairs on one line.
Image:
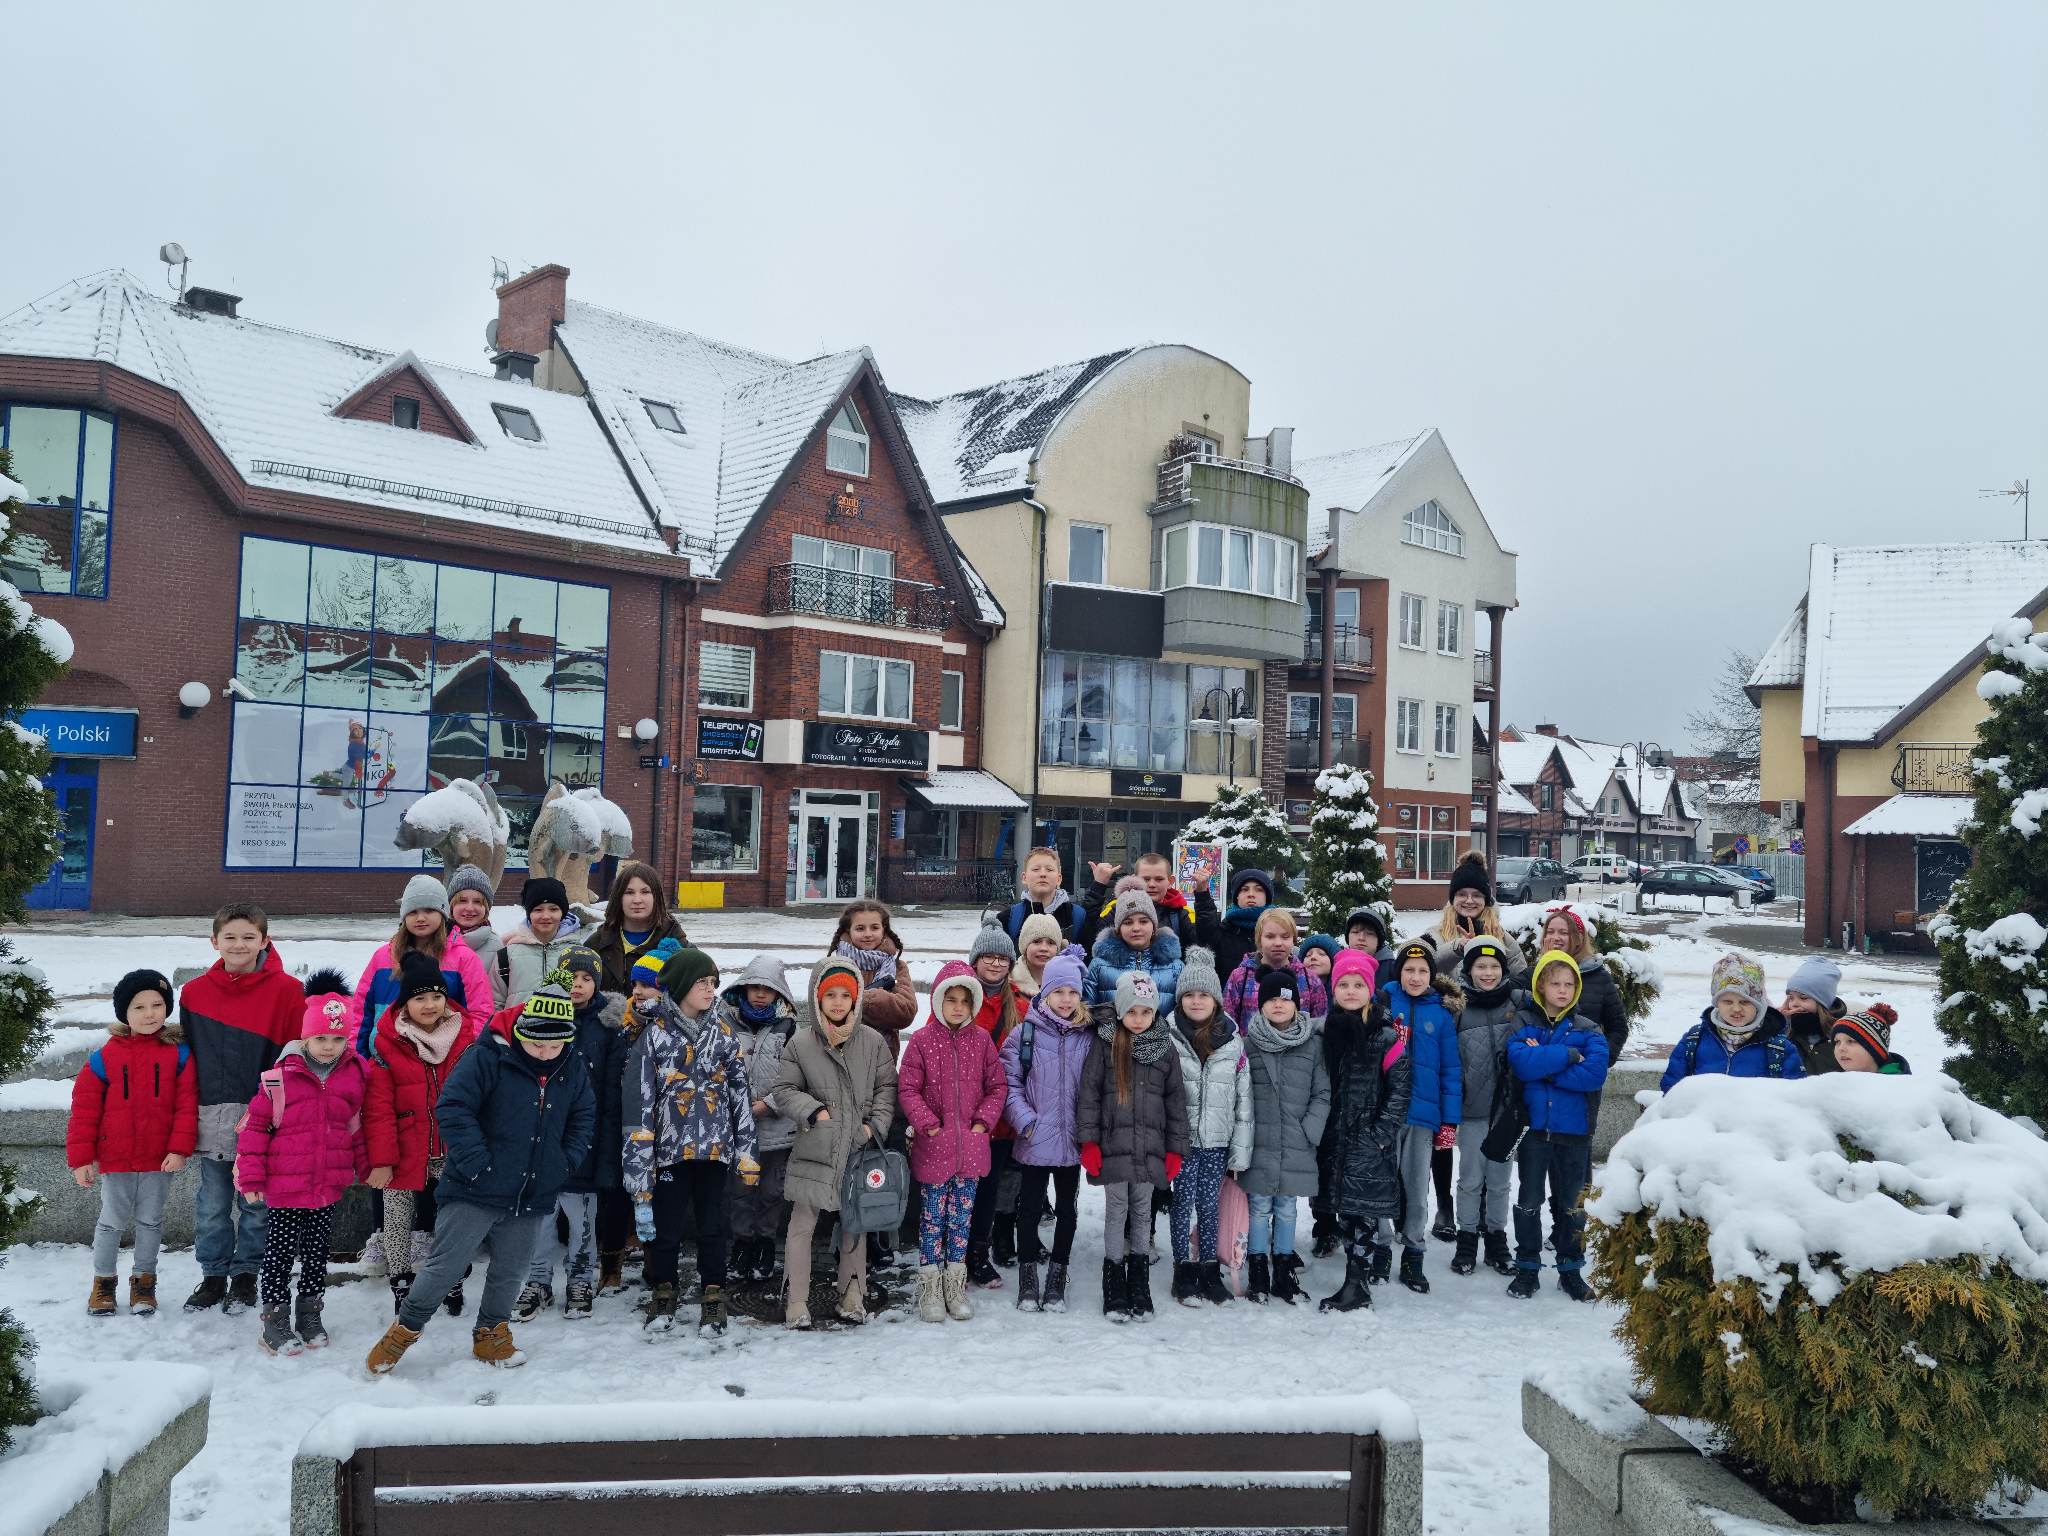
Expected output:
{"points": [[1041, 1106], [318, 1147], [1241, 992], [948, 1080]]}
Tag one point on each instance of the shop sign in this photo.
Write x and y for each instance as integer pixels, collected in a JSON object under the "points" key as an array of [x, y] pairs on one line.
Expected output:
{"points": [[829, 744], [731, 740], [84, 732], [1136, 784]]}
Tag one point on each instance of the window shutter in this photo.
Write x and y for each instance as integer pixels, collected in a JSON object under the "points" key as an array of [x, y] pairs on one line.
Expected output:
{"points": [[725, 676]]}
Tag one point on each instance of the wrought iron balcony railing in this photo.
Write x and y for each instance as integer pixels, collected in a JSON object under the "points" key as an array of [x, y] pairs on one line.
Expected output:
{"points": [[1350, 646], [1935, 768], [866, 599]]}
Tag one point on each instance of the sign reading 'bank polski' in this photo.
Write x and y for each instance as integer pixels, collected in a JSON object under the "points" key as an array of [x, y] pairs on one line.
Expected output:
{"points": [[828, 744], [84, 732]]}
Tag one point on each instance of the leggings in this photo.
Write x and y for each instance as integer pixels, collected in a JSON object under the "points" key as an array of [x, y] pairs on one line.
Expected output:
{"points": [[1440, 1176], [988, 1194], [1195, 1194], [1066, 1184], [406, 1212], [948, 1212], [296, 1234]]}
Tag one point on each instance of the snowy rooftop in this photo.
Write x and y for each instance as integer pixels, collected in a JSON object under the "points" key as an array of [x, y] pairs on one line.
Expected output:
{"points": [[1784, 664], [966, 789], [1513, 802], [1914, 816], [982, 441], [267, 395], [1885, 623], [1349, 480]]}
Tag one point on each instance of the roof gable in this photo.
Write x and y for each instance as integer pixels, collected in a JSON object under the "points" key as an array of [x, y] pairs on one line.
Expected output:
{"points": [[371, 400], [1783, 664], [1350, 479], [981, 442]]}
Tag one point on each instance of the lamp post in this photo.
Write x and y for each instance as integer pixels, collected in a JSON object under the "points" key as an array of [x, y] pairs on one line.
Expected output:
{"points": [[1648, 753], [1225, 723]]}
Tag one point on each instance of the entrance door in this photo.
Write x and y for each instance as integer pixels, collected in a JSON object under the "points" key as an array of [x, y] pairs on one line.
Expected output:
{"points": [[74, 783], [834, 846]]}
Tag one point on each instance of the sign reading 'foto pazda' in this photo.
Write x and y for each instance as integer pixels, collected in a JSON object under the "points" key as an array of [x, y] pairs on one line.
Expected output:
{"points": [[84, 732], [828, 744]]}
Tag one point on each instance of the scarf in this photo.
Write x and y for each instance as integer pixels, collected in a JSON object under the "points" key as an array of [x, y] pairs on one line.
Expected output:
{"points": [[1488, 999], [1146, 1048], [1059, 899], [756, 1018], [433, 1045], [1268, 1036], [1732, 1039], [1243, 917], [876, 966], [1220, 1030], [321, 1069]]}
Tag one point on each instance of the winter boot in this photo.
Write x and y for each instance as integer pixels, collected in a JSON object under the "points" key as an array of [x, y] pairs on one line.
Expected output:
{"points": [[1324, 1236], [1573, 1284], [1287, 1278], [1138, 1285], [1446, 1228], [1027, 1287], [576, 1299], [1055, 1288], [210, 1293], [1005, 1235], [931, 1293], [956, 1293], [1523, 1286], [853, 1302], [661, 1310], [711, 1311], [1210, 1284], [1185, 1278], [494, 1346], [401, 1287], [102, 1301], [1355, 1293], [142, 1295], [1411, 1271], [452, 1302], [387, 1351], [1498, 1259], [796, 1304], [534, 1299], [1258, 1285], [241, 1295], [306, 1322], [980, 1271], [374, 1261], [1466, 1259], [1381, 1268], [277, 1337], [1116, 1297], [610, 1277]]}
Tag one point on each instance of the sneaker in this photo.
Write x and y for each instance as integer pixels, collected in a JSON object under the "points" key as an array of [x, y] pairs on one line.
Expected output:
{"points": [[711, 1311], [1466, 1259], [980, 1271], [1498, 1259], [373, 1261], [306, 1322], [1523, 1286], [211, 1292], [1411, 1271], [1210, 1284], [1258, 1285], [931, 1293], [955, 1285], [102, 1302], [387, 1351], [142, 1295], [1055, 1288], [1573, 1284], [1027, 1286], [494, 1346], [576, 1301], [661, 1310], [241, 1294], [534, 1299], [796, 1308], [277, 1337]]}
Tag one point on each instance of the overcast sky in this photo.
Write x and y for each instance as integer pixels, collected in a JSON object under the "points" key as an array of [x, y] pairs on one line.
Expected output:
{"points": [[1686, 287]]}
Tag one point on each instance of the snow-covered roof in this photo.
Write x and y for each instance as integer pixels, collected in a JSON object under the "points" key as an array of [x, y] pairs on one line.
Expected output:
{"points": [[1887, 623], [1514, 803], [1349, 480], [965, 789], [981, 441], [266, 396], [1521, 762], [985, 602], [1914, 815], [1784, 664]]}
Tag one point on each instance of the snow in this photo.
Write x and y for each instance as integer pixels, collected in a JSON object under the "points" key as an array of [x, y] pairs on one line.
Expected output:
{"points": [[2027, 811], [1783, 663], [450, 810], [614, 831], [1914, 815], [36, 1093], [1597, 1393], [96, 1420], [12, 490], [982, 441], [2012, 941], [1998, 685], [1348, 481], [965, 789]]}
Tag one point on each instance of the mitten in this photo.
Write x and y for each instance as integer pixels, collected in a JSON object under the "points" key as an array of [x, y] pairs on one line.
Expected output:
{"points": [[1091, 1159], [643, 1220], [1172, 1166], [1446, 1138]]}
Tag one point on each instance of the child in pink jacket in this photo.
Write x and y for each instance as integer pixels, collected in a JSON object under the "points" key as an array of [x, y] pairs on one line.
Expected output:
{"points": [[951, 1087], [300, 1146]]}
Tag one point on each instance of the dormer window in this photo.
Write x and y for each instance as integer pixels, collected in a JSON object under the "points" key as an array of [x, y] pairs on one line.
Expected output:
{"points": [[846, 442], [1430, 527], [405, 412], [518, 422], [664, 416]]}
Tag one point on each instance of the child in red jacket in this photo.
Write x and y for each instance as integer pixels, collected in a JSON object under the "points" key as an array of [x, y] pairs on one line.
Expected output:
{"points": [[300, 1147], [134, 1121]]}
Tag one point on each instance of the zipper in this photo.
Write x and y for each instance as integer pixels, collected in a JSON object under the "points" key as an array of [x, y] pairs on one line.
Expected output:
{"points": [[126, 1091]]}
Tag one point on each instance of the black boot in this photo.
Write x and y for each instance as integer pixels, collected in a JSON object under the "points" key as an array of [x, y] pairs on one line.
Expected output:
{"points": [[452, 1302], [1184, 1278], [1446, 1228], [1523, 1286], [1573, 1284], [1211, 1284], [1354, 1293], [980, 1271], [1006, 1242], [1116, 1298], [1258, 1285], [401, 1286], [1287, 1278], [1027, 1287], [1498, 1259], [1466, 1259], [1411, 1271], [241, 1295], [1381, 1268], [210, 1293], [1138, 1285], [1055, 1288], [1324, 1236]]}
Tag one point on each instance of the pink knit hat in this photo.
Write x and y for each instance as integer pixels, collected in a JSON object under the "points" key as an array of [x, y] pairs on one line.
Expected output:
{"points": [[1355, 962], [326, 1014]]}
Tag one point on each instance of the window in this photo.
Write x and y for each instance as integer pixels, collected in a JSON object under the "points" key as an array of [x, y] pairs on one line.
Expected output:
{"points": [[1231, 558], [1206, 447], [950, 688], [848, 581], [64, 460], [846, 442], [405, 412], [1118, 712], [1430, 527], [1427, 842], [1408, 725], [1411, 621], [663, 415], [367, 680], [1087, 553], [1305, 715], [1347, 610], [1447, 730], [1546, 796], [930, 840], [1450, 628], [518, 422], [725, 676], [864, 687], [725, 823]]}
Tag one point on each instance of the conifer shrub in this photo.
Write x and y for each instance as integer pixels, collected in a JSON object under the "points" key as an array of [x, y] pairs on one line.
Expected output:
{"points": [[1346, 869]]}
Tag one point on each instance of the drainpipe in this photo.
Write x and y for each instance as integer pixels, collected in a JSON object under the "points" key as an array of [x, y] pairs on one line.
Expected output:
{"points": [[1827, 830], [1498, 618], [1029, 840], [1327, 744], [661, 716]]}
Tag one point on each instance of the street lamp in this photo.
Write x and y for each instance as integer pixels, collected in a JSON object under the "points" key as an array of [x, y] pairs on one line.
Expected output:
{"points": [[1234, 723], [1649, 754]]}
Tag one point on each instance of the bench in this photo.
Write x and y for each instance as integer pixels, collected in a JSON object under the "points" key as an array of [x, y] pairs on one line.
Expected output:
{"points": [[1350, 1465]]}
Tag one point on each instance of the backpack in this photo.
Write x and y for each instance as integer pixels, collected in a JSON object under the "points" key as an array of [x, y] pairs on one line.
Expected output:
{"points": [[1774, 1052], [272, 1082], [874, 1192]]}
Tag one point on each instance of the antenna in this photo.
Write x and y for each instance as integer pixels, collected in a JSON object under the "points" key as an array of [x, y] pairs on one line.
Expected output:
{"points": [[500, 273], [2017, 491], [172, 254]]}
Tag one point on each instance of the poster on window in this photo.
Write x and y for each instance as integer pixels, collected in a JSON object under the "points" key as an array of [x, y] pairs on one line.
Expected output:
{"points": [[380, 834], [1196, 865], [330, 829], [360, 757], [261, 823], [266, 749]]}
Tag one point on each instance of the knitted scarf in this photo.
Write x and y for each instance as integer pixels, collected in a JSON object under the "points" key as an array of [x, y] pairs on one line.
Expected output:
{"points": [[1146, 1048], [757, 1018], [876, 966], [433, 1045], [1268, 1036]]}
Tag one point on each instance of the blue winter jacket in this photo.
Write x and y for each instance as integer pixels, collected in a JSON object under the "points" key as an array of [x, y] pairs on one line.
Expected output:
{"points": [[1767, 1053], [1160, 960], [1438, 1098], [516, 1129], [1559, 1092]]}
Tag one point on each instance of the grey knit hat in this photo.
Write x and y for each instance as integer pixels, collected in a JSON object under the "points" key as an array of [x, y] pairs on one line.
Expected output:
{"points": [[1135, 989], [1820, 979], [423, 893], [1198, 974], [470, 878], [1135, 901], [991, 940]]}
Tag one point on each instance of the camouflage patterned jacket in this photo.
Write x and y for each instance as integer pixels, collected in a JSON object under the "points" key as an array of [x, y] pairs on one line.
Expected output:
{"points": [[686, 1098]]}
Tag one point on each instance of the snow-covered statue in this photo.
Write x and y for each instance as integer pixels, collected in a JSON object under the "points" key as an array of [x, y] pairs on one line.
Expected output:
{"points": [[576, 828], [463, 824]]}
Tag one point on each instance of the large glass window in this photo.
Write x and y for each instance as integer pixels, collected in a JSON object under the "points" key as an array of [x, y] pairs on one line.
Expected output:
{"points": [[1305, 715], [846, 442], [865, 687], [1234, 559], [1120, 712], [1426, 841], [848, 581], [64, 460], [1430, 527], [725, 828], [931, 840], [367, 680]]}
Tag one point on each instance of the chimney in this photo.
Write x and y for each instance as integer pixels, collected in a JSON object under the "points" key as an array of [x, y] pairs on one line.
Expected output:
{"points": [[1546, 730], [529, 307], [515, 365], [211, 301]]}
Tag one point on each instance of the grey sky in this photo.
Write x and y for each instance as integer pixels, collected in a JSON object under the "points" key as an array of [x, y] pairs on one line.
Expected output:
{"points": [[1686, 287]]}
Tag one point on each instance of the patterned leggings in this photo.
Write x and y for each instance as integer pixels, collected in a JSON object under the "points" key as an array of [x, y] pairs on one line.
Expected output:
{"points": [[408, 1220], [301, 1235], [942, 1229], [1358, 1235], [1195, 1194]]}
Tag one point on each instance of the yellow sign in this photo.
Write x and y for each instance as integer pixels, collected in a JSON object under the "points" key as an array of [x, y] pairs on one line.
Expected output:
{"points": [[699, 895]]}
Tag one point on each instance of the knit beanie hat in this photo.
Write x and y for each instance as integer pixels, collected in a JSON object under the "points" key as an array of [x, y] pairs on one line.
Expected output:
{"points": [[1355, 962], [1039, 925], [582, 960], [957, 973], [423, 893], [144, 980], [1198, 974], [326, 1014], [1365, 916], [991, 940], [1820, 979], [1415, 949], [1871, 1029], [1322, 941], [1470, 875], [1064, 969], [548, 1015], [1239, 879], [1135, 901], [470, 878], [1742, 976], [835, 973], [1485, 946], [1134, 989], [646, 970], [419, 973], [541, 890], [1274, 984], [1130, 882], [685, 968]]}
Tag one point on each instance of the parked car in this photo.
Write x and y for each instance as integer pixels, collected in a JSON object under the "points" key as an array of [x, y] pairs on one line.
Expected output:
{"points": [[1695, 880], [1766, 883], [1607, 868], [1516, 880]]}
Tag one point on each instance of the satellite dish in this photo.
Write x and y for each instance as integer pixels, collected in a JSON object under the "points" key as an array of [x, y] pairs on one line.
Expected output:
{"points": [[490, 335], [171, 254]]}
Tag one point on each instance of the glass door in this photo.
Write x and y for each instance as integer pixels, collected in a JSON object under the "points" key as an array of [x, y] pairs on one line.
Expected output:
{"points": [[834, 847], [74, 784]]}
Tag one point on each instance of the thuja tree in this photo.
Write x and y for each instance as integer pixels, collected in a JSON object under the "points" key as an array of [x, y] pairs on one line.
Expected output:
{"points": [[1346, 869], [1251, 829], [32, 652], [1994, 990]]}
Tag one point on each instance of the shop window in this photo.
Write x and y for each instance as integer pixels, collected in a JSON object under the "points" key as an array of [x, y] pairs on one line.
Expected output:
{"points": [[930, 839], [725, 828], [1118, 712], [846, 442], [64, 462], [951, 686], [1426, 842], [863, 687], [725, 676]]}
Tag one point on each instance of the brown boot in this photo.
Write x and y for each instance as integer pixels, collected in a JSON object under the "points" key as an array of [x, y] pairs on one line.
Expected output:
{"points": [[142, 1295], [610, 1277], [101, 1302], [390, 1349], [494, 1346]]}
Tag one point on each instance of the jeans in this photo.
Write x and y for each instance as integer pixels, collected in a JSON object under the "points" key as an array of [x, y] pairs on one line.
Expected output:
{"points": [[1277, 1213], [1412, 1147], [460, 1232], [1127, 1221], [1567, 1161], [1482, 1185], [580, 1262], [227, 1233], [130, 1200], [1066, 1185], [1195, 1194], [699, 1189], [988, 1193], [946, 1213]]}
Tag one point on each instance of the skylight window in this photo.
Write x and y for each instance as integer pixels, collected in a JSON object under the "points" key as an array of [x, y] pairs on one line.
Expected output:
{"points": [[663, 415], [518, 422]]}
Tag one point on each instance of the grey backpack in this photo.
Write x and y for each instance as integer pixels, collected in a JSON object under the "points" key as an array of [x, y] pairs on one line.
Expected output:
{"points": [[874, 1192]]}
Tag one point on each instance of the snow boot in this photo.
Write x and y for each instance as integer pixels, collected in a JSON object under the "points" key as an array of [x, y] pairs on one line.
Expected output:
{"points": [[1116, 1298], [494, 1346], [1005, 1235], [1411, 1271], [374, 1262], [576, 1299], [1055, 1288], [1466, 1259], [796, 1305], [1210, 1284], [277, 1337], [452, 1302], [401, 1287], [1573, 1284], [102, 1302], [306, 1322], [1323, 1236], [387, 1351], [241, 1294], [711, 1316], [1498, 1259], [853, 1302], [610, 1273], [1027, 1287], [534, 1299], [980, 1271], [142, 1295], [1185, 1277], [1138, 1285], [661, 1310], [931, 1294], [956, 1293], [211, 1292], [1287, 1278], [1523, 1286], [1446, 1228], [1258, 1285], [1353, 1294], [1381, 1269]]}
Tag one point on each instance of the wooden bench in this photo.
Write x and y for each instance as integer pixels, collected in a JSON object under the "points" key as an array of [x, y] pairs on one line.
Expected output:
{"points": [[1350, 1465]]}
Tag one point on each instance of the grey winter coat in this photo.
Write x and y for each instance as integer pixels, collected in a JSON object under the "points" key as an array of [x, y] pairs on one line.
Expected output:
{"points": [[518, 969], [1290, 1106], [761, 1048], [1450, 956], [1483, 1031], [1600, 1003], [1135, 1136], [856, 1082], [686, 1098], [1219, 1091]]}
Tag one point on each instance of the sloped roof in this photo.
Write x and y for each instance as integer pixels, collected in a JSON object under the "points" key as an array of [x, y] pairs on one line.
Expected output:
{"points": [[1889, 623], [1349, 480], [1521, 762], [1914, 815], [766, 423], [266, 395], [981, 442], [1514, 803], [405, 362], [1783, 665]]}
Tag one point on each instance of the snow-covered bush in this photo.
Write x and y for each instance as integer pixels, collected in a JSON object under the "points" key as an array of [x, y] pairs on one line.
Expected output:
{"points": [[1844, 1275], [1252, 829], [1994, 974], [1346, 870], [1636, 974]]}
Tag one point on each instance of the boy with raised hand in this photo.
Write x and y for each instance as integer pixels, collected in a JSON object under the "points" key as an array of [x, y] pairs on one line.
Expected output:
{"points": [[1560, 1060]]}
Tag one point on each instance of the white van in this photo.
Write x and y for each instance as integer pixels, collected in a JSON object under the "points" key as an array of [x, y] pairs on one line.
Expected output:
{"points": [[1607, 868]]}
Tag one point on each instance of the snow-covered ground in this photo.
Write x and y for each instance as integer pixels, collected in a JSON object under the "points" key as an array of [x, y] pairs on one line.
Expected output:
{"points": [[1458, 1355]]}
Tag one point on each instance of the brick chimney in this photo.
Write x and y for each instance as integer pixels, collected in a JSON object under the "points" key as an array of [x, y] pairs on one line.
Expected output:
{"points": [[1546, 730], [528, 308]]}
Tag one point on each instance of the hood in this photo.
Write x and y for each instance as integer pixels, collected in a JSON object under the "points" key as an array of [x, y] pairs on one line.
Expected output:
{"points": [[608, 1007], [1163, 950], [764, 970], [1555, 957], [267, 966], [1592, 961], [523, 934], [1772, 1023]]}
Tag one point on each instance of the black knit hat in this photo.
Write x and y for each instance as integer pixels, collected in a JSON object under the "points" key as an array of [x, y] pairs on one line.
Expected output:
{"points": [[1483, 945], [582, 960], [417, 973], [543, 891], [548, 1015], [126, 989], [1278, 983], [1370, 919], [1415, 949], [1470, 875]]}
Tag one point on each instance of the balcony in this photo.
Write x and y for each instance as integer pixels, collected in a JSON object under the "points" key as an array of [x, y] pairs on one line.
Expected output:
{"points": [[1350, 646], [1483, 684], [1305, 752], [1935, 768], [1482, 769], [1228, 557], [812, 589]]}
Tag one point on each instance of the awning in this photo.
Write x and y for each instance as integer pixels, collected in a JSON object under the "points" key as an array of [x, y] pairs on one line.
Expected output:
{"points": [[964, 789], [1914, 816]]}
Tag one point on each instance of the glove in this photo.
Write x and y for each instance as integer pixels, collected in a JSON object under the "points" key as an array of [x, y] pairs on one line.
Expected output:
{"points": [[750, 1172], [643, 1220], [1172, 1166], [1091, 1159], [1446, 1138]]}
